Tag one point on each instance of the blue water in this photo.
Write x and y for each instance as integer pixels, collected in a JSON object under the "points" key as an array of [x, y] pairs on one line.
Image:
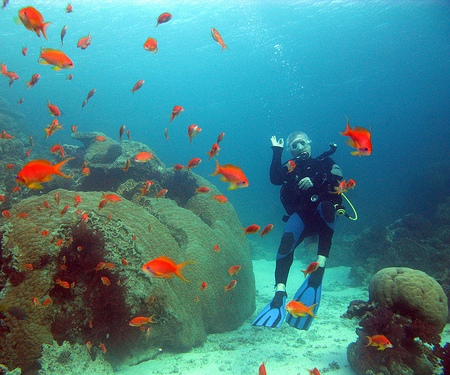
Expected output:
{"points": [[291, 65]]}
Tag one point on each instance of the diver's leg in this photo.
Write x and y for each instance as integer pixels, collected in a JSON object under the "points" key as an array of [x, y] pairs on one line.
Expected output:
{"points": [[289, 241], [326, 227]]}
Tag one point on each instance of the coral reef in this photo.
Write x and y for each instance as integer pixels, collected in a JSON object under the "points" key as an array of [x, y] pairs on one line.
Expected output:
{"points": [[410, 309], [53, 289]]}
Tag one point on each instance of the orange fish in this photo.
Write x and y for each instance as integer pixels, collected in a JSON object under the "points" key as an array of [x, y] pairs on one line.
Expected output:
{"points": [[64, 284], [22, 215], [124, 262], [253, 228], [84, 42], [127, 165], [262, 369], [203, 189], [69, 8], [266, 230], [151, 45], [102, 347], [114, 198], [313, 266], [77, 200], [102, 204], [163, 18], [143, 157], [203, 285], [193, 130], [6, 213], [344, 186], [34, 79], [141, 320], [232, 174], [380, 341], [193, 163], [55, 57], [175, 112], [105, 281], [146, 187], [165, 267], [220, 198], [291, 165], [58, 149], [314, 371], [65, 209], [359, 139], [47, 301], [218, 38], [230, 286], [137, 86], [297, 308], [233, 270], [52, 128], [5, 135], [29, 266], [178, 167], [9, 166], [216, 248], [162, 193], [37, 171], [32, 19], [100, 266], [99, 138], [214, 150]]}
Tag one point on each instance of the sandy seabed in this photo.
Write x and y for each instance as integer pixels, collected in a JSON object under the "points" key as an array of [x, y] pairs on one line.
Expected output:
{"points": [[288, 351]]}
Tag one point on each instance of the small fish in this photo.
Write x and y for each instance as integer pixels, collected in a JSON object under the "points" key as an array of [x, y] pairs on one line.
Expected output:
{"points": [[21, 100], [214, 150], [102, 204], [203, 285], [230, 286], [34, 79], [69, 77], [105, 281], [127, 165], [143, 157], [233, 270], [266, 230], [178, 167], [114, 198], [77, 200], [220, 137], [166, 133], [5, 135], [291, 166], [55, 57], [100, 138], [218, 38], [380, 341], [141, 320], [313, 266], [63, 33], [102, 347], [48, 301], [220, 198], [203, 189], [146, 187], [162, 193], [65, 209], [84, 42], [297, 308], [69, 8], [231, 174], [151, 45], [360, 138], [124, 262], [52, 128], [128, 134], [6, 214], [32, 19], [175, 112], [314, 371], [58, 149], [100, 266], [137, 85], [164, 267], [54, 110], [253, 228], [37, 171], [24, 51], [262, 369], [194, 162], [64, 284], [90, 94], [10, 166], [344, 186], [163, 18], [193, 130], [216, 248]]}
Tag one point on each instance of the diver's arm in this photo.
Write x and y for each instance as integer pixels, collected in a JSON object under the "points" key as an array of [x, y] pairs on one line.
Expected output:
{"points": [[276, 170]]}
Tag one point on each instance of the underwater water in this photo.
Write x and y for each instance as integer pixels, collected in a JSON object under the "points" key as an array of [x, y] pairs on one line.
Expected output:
{"points": [[289, 66]]}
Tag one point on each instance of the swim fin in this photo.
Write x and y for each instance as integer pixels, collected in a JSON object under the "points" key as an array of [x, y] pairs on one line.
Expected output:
{"points": [[309, 293], [270, 316]]}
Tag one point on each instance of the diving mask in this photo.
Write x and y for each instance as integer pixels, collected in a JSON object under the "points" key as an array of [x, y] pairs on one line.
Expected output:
{"points": [[299, 145]]}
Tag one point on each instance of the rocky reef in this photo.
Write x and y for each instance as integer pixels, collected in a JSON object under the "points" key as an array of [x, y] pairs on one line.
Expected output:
{"points": [[410, 309], [55, 286]]}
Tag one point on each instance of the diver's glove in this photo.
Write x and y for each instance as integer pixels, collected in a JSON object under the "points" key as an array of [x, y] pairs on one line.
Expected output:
{"points": [[305, 183], [277, 143]]}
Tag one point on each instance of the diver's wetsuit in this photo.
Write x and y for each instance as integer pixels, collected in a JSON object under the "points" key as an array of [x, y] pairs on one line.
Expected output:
{"points": [[310, 211]]}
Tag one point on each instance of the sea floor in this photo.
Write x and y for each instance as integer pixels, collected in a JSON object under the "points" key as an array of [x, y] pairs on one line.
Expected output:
{"points": [[286, 349]]}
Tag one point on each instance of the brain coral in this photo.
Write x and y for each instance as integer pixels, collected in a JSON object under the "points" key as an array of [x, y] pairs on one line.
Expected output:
{"points": [[53, 285], [410, 293]]}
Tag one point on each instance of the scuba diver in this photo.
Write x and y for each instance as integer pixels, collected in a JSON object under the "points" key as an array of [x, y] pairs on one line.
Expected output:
{"points": [[309, 197]]}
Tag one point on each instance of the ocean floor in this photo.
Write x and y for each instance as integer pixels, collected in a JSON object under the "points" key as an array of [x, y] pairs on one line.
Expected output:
{"points": [[286, 349]]}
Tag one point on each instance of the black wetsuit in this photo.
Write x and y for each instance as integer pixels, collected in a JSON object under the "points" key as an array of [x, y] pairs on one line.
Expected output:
{"points": [[311, 211]]}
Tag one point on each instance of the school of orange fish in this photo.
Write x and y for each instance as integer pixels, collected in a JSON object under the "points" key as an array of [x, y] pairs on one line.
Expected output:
{"points": [[39, 171]]}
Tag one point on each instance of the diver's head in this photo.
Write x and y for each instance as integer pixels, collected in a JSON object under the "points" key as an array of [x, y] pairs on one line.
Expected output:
{"points": [[298, 144]]}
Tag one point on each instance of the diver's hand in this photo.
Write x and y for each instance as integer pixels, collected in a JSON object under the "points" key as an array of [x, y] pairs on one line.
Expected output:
{"points": [[305, 183], [277, 143]]}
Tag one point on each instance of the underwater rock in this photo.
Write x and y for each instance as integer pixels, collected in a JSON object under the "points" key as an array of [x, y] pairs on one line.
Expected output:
{"points": [[50, 260], [411, 293], [409, 308]]}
